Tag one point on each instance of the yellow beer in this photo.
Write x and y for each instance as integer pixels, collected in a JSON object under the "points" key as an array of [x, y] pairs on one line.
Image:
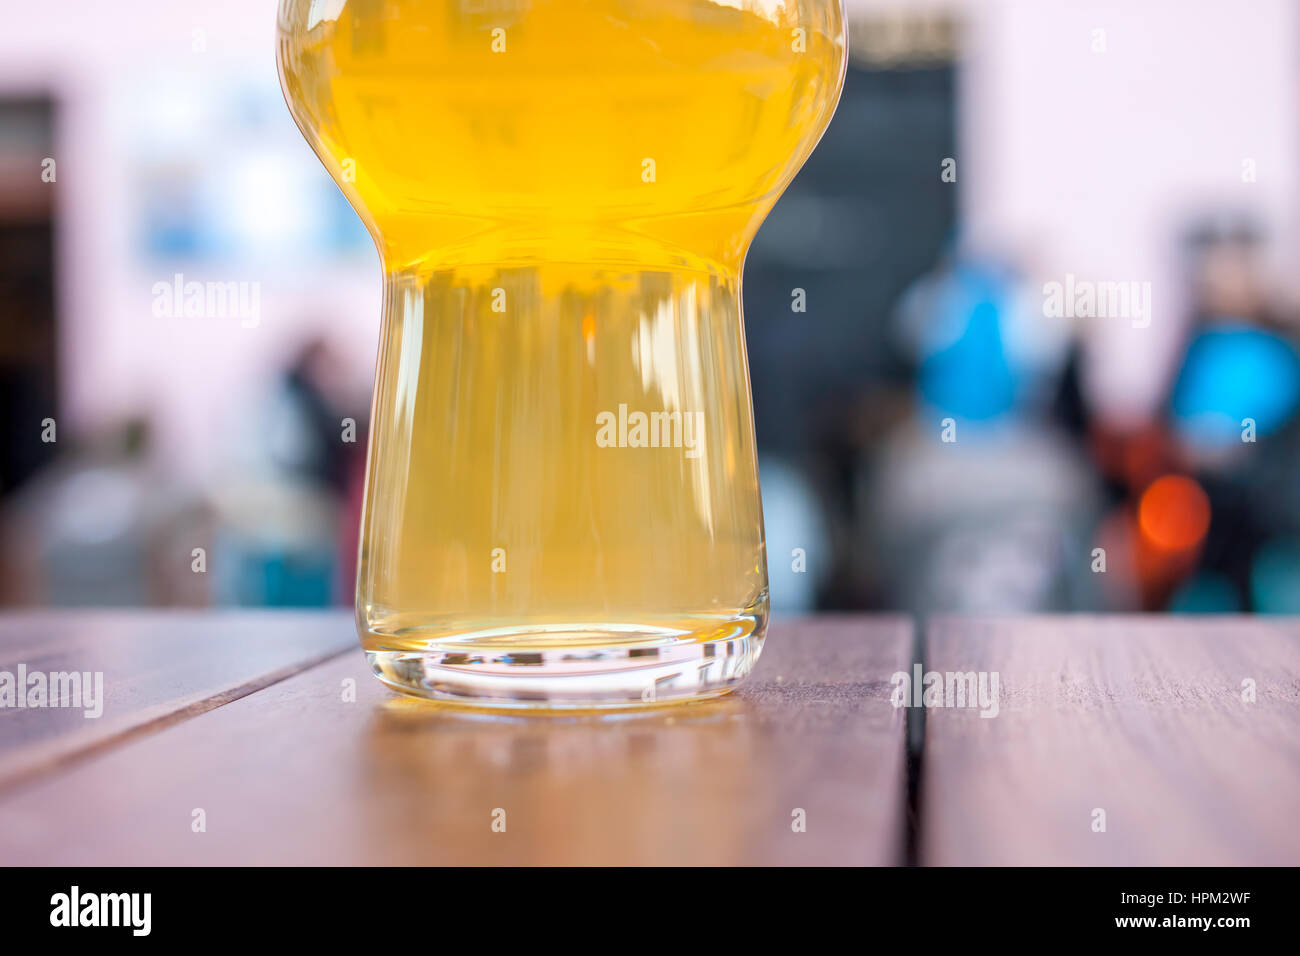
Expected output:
{"points": [[562, 504]]}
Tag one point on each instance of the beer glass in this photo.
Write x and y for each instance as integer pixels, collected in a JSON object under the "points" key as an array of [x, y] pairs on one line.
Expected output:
{"points": [[562, 502]]}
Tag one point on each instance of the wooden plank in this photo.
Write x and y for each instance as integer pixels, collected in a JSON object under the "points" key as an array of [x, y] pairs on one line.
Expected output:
{"points": [[157, 667], [1143, 718], [296, 774]]}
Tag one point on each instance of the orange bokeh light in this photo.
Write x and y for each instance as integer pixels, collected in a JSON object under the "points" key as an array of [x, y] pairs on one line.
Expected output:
{"points": [[1174, 513]]}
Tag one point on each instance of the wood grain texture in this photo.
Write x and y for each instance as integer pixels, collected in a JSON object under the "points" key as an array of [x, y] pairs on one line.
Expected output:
{"points": [[158, 668], [296, 774], [1141, 717]]}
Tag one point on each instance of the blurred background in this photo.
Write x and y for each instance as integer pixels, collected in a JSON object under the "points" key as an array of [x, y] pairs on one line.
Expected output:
{"points": [[1023, 333]]}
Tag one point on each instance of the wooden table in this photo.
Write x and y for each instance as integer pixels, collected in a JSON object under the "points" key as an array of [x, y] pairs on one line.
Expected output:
{"points": [[267, 729]]}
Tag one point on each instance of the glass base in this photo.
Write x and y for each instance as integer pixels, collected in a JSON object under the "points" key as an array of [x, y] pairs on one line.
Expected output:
{"points": [[571, 667]]}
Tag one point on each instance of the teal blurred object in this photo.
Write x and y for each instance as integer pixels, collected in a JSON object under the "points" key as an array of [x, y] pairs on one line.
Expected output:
{"points": [[1207, 593], [275, 545], [249, 576], [1275, 577]]}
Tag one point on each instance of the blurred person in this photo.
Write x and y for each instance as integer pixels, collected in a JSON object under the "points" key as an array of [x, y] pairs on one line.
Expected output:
{"points": [[314, 410], [287, 521], [979, 500], [1232, 410], [1198, 492]]}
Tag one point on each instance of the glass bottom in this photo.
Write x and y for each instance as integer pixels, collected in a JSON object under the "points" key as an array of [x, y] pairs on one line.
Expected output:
{"points": [[570, 666]]}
